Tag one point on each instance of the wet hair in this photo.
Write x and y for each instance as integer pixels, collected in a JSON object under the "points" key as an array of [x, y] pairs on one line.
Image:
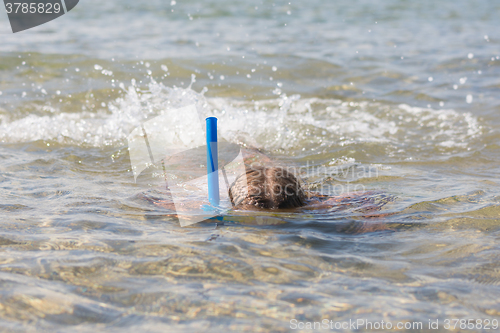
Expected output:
{"points": [[266, 187]]}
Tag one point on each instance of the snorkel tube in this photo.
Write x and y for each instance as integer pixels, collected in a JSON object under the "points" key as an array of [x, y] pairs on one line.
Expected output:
{"points": [[212, 162]]}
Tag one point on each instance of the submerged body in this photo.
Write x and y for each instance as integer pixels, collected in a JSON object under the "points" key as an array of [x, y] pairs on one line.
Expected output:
{"points": [[267, 189]]}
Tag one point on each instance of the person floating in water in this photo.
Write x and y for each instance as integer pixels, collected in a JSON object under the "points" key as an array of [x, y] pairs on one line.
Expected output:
{"points": [[275, 188], [266, 186]]}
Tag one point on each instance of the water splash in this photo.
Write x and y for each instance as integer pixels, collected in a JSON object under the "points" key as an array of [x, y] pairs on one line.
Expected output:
{"points": [[286, 122]]}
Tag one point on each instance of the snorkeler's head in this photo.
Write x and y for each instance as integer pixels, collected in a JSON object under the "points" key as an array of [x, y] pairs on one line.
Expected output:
{"points": [[266, 187]]}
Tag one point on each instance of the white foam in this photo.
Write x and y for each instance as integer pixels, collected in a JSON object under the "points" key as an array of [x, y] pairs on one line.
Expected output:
{"points": [[281, 123], [105, 127]]}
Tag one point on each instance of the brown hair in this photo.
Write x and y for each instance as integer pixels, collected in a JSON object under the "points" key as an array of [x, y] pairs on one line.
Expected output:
{"points": [[266, 187]]}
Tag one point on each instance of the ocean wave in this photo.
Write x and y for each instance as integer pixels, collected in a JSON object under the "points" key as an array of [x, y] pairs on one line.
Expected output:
{"points": [[285, 122]]}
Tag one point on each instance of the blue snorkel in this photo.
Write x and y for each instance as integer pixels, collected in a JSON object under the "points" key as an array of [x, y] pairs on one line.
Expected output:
{"points": [[212, 162]]}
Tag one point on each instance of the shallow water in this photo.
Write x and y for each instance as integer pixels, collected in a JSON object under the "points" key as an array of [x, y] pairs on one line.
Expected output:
{"points": [[397, 97]]}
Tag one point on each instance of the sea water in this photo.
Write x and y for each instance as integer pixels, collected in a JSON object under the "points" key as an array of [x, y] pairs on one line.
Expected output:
{"points": [[393, 96]]}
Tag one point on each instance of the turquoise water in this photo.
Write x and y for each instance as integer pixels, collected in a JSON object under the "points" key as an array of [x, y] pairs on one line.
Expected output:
{"points": [[395, 97]]}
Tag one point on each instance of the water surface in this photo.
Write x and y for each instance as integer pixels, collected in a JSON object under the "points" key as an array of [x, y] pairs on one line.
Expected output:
{"points": [[394, 96]]}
